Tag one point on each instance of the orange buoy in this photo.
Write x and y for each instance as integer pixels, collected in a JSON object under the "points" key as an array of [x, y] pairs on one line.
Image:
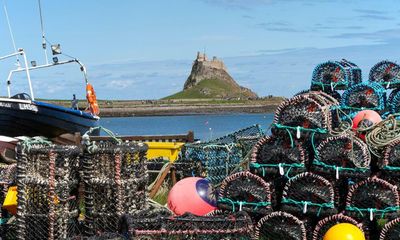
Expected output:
{"points": [[365, 119], [92, 100]]}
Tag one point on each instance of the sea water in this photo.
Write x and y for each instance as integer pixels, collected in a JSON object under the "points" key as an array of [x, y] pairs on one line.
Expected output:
{"points": [[205, 127]]}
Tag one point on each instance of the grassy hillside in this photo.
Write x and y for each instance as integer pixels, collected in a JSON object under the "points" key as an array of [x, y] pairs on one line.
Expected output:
{"points": [[209, 88]]}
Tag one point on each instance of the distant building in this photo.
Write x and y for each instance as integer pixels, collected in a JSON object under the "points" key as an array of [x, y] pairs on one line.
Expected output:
{"points": [[214, 63]]}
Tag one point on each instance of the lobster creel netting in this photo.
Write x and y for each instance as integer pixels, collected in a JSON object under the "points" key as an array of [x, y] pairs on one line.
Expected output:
{"points": [[325, 224], [7, 179], [335, 94], [187, 226], [394, 102], [390, 163], [7, 222], [275, 160], [146, 219], [244, 191], [47, 181], [342, 156], [280, 226], [273, 157], [362, 96], [335, 75], [386, 73], [303, 115], [372, 198], [213, 161], [115, 179], [309, 194], [246, 137], [391, 230], [107, 236]]}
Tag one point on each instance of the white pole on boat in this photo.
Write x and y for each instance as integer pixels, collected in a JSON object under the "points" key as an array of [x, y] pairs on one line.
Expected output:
{"points": [[11, 32], [43, 36], [27, 73]]}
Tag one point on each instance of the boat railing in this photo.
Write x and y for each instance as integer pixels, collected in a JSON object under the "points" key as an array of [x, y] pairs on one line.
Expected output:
{"points": [[27, 69], [16, 54]]}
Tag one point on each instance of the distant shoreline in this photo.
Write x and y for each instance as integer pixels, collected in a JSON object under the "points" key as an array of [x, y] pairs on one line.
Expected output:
{"points": [[129, 108], [185, 110]]}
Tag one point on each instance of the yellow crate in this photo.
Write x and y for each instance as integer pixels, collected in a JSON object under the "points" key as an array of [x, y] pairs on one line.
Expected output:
{"points": [[166, 150], [10, 202]]}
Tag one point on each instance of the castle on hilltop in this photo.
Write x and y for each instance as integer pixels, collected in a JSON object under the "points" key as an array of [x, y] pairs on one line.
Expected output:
{"points": [[214, 63]]}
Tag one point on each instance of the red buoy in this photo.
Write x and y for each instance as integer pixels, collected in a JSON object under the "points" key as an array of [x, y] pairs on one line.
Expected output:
{"points": [[194, 195], [365, 119]]}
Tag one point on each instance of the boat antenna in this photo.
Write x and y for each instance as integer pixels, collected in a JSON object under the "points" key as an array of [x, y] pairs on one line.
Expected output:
{"points": [[43, 35], [11, 32]]}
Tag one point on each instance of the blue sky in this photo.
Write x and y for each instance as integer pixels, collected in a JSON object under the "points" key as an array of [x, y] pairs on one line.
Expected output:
{"points": [[144, 49]]}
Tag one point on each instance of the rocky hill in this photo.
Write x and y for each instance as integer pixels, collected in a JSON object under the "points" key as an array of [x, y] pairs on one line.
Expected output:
{"points": [[210, 79]]}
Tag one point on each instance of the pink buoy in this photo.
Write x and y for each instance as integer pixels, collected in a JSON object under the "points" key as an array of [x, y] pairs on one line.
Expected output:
{"points": [[194, 195], [365, 119]]}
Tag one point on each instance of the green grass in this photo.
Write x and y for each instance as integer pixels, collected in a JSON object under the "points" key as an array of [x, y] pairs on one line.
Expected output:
{"points": [[215, 87]]}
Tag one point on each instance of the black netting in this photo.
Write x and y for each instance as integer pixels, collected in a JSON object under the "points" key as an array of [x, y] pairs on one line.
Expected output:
{"points": [[372, 198], [159, 225], [342, 157], [325, 224], [115, 179], [364, 96], [218, 158], [245, 191], [394, 102], [273, 157], [391, 230], [332, 75], [390, 163], [309, 194], [47, 180], [304, 116], [275, 160], [280, 226], [213, 161], [386, 73]]}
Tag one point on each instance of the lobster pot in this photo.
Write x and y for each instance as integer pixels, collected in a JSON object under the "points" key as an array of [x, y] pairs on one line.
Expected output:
{"points": [[107, 236], [244, 191], [390, 163], [394, 102], [306, 117], [115, 179], [341, 158], [309, 195], [372, 199], [391, 230], [7, 179], [325, 224], [246, 137], [363, 96], [159, 226], [280, 225], [212, 161], [335, 75], [275, 160], [385, 73], [47, 181]]}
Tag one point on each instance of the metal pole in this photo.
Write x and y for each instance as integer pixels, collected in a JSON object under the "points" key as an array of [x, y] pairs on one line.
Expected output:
{"points": [[28, 74]]}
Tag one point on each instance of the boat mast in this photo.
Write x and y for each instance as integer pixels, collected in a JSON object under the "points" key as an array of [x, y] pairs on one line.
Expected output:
{"points": [[11, 32], [44, 45]]}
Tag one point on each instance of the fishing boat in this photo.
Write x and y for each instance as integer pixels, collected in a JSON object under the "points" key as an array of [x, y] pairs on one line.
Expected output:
{"points": [[22, 115]]}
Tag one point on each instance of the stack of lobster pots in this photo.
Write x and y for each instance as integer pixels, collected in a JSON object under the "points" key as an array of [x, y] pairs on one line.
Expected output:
{"points": [[315, 170]]}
